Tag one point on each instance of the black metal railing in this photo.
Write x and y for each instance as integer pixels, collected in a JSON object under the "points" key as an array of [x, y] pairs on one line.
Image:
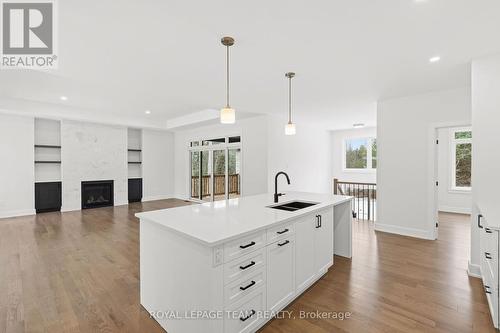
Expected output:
{"points": [[364, 204]]}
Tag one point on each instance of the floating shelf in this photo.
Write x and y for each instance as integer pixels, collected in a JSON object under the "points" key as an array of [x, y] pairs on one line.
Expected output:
{"points": [[134, 162], [47, 146], [139, 150], [55, 162]]}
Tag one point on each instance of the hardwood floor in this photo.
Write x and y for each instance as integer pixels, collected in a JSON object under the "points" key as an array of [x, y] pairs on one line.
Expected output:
{"points": [[79, 272]]}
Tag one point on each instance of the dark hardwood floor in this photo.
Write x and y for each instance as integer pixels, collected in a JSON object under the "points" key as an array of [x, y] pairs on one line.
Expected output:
{"points": [[79, 272]]}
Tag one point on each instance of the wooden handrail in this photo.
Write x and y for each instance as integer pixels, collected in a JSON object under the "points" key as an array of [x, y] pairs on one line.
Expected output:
{"points": [[335, 180]]}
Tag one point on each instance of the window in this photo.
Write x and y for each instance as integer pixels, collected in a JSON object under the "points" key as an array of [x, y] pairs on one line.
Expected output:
{"points": [[215, 168], [360, 154], [461, 158]]}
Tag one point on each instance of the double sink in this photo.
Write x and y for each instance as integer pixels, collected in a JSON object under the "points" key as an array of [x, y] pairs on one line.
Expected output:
{"points": [[293, 205]]}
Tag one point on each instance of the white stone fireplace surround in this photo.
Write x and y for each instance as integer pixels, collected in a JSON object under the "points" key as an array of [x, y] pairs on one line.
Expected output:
{"points": [[92, 152]]}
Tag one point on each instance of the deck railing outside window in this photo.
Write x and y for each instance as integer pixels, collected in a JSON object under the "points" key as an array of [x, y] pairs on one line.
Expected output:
{"points": [[218, 186], [364, 204]]}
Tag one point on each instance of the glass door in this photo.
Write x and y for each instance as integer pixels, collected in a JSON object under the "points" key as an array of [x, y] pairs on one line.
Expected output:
{"points": [[219, 174], [215, 169], [234, 173]]}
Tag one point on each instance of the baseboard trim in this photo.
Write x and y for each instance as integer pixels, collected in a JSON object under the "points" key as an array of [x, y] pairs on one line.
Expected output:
{"points": [[158, 197], [16, 213], [411, 232], [474, 270], [456, 210]]}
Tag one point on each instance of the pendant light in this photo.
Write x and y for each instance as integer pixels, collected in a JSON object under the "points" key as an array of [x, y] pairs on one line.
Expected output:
{"points": [[290, 127], [227, 114]]}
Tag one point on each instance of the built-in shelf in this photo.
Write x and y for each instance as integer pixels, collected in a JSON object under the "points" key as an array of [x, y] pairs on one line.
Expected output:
{"points": [[56, 162], [47, 146], [134, 158]]}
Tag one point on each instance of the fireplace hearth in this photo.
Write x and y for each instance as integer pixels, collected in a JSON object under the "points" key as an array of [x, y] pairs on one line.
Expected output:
{"points": [[98, 193]]}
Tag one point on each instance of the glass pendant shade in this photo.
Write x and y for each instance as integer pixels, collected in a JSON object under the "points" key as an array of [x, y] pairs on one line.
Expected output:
{"points": [[227, 116], [290, 129]]}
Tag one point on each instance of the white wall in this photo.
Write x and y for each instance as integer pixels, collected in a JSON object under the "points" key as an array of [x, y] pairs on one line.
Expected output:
{"points": [[305, 157], [17, 166], [253, 132], [485, 141], [92, 152], [157, 165], [405, 184], [338, 141], [449, 200]]}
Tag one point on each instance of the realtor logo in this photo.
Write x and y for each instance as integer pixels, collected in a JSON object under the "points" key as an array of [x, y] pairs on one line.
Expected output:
{"points": [[28, 34]]}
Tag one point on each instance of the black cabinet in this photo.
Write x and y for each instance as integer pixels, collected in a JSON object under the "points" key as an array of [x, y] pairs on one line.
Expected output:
{"points": [[48, 197], [135, 190]]}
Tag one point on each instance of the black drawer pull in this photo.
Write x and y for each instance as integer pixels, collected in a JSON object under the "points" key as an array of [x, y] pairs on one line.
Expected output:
{"points": [[248, 317], [248, 266], [284, 243], [248, 286], [248, 245], [479, 221], [282, 232], [487, 255], [487, 289], [317, 222], [488, 230]]}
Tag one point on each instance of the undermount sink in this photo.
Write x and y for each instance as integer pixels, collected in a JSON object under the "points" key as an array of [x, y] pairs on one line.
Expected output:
{"points": [[293, 205]]}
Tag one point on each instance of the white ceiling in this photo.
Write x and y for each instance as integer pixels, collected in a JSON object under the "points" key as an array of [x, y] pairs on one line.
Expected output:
{"points": [[119, 58]]}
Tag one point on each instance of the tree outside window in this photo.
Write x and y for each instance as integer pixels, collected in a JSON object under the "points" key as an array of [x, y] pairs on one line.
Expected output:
{"points": [[461, 159], [360, 154]]}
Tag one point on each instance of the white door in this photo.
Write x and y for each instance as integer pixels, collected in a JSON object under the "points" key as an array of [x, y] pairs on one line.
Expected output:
{"points": [[280, 273], [323, 240], [304, 253]]}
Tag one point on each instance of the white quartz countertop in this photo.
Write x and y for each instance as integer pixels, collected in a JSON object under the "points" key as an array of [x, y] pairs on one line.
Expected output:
{"points": [[214, 223]]}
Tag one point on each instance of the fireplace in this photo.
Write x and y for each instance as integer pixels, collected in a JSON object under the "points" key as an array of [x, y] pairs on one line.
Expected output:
{"points": [[97, 194]]}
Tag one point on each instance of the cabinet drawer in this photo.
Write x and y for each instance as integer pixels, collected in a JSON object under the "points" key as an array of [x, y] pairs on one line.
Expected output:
{"points": [[244, 265], [489, 252], [240, 288], [279, 232], [246, 315], [244, 245], [490, 289]]}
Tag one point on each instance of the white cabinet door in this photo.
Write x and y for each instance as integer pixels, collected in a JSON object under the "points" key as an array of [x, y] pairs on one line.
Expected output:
{"points": [[280, 273], [323, 240], [305, 271]]}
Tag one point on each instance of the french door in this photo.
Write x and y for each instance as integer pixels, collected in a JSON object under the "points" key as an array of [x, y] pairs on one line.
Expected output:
{"points": [[215, 169]]}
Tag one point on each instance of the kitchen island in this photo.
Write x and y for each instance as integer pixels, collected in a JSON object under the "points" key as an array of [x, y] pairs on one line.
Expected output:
{"points": [[228, 266]]}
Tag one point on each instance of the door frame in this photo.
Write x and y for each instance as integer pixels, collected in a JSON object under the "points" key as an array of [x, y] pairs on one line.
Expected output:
{"points": [[433, 175]]}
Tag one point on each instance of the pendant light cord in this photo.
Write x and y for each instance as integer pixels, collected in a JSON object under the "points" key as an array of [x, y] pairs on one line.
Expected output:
{"points": [[289, 100], [227, 76]]}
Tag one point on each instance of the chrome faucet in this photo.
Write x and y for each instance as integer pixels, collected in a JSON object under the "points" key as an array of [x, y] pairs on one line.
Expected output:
{"points": [[276, 194]]}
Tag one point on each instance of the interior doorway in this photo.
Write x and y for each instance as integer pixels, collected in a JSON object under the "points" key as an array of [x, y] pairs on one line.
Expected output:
{"points": [[452, 174]]}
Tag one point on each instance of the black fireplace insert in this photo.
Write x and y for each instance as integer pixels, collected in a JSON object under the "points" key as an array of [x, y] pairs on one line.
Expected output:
{"points": [[98, 193]]}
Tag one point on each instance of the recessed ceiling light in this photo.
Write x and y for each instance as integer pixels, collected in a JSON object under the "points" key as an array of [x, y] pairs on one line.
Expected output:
{"points": [[147, 112], [360, 125], [435, 59], [63, 98]]}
